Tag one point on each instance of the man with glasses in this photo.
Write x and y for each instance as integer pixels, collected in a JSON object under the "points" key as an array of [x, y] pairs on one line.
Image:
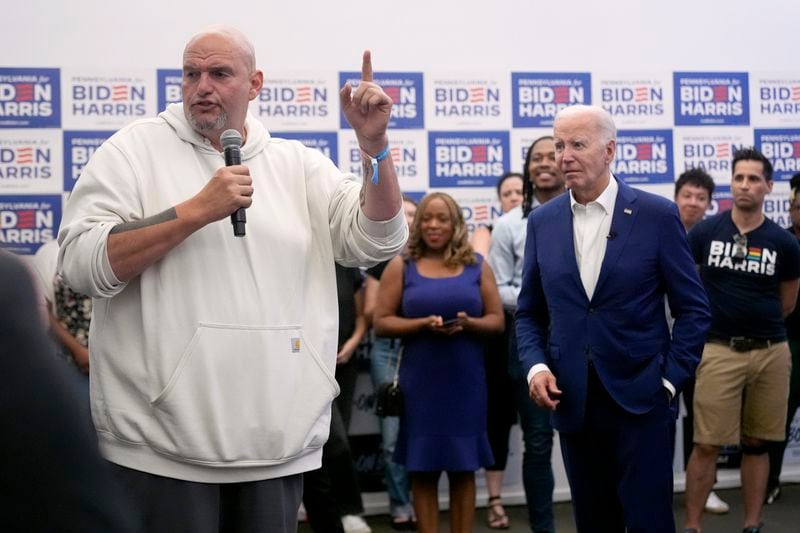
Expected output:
{"points": [[750, 268]]}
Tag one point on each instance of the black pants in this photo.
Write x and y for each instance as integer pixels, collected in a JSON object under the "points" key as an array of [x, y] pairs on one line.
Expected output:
{"points": [[166, 505], [332, 491], [346, 377], [501, 409]]}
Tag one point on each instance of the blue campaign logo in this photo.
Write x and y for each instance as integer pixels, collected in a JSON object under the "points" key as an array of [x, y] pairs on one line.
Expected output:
{"points": [[326, 142], [467, 159], [633, 99], [405, 90], [170, 86], [536, 97], [779, 98], [297, 99], [28, 221], [782, 148], [79, 146], [26, 162], [477, 99], [404, 157], [405, 160], [480, 214], [108, 98], [711, 99], [713, 156], [644, 156], [777, 208], [30, 98]]}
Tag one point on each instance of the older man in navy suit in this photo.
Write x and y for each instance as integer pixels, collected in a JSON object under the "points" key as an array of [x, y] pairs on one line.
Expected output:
{"points": [[592, 329]]}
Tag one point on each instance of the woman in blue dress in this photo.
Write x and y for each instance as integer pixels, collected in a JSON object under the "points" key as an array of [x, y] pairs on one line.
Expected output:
{"points": [[441, 298]]}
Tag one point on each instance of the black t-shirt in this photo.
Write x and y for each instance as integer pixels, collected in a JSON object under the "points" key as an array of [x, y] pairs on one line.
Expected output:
{"points": [[743, 285], [348, 283], [793, 320]]}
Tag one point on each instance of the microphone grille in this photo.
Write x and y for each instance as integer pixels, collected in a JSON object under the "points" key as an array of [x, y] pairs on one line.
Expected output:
{"points": [[230, 139]]}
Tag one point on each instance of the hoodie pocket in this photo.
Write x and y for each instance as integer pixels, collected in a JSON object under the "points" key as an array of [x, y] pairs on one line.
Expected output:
{"points": [[252, 394]]}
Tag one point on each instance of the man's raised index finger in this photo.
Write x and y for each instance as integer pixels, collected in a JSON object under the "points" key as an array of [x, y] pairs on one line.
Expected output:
{"points": [[366, 66]]}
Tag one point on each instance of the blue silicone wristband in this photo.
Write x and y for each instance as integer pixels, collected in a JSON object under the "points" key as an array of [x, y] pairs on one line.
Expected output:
{"points": [[375, 160]]}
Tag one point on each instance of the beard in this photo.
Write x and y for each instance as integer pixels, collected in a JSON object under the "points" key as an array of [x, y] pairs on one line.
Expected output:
{"points": [[202, 126]]}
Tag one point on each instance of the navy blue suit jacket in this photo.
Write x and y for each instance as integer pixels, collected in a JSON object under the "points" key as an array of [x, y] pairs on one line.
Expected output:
{"points": [[623, 329]]}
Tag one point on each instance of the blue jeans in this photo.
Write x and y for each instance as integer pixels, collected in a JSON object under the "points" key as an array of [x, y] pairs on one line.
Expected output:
{"points": [[383, 362], [537, 435]]}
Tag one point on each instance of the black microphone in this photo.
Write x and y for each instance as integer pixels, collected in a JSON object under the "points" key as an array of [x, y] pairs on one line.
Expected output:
{"points": [[231, 141], [611, 235]]}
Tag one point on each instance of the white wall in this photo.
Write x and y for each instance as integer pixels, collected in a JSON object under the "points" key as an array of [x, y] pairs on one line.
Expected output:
{"points": [[635, 35]]}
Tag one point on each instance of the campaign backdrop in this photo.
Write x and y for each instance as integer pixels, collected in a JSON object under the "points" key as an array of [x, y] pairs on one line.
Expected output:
{"points": [[473, 88], [449, 130]]}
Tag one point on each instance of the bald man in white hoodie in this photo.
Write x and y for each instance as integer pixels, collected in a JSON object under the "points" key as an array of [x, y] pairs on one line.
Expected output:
{"points": [[212, 356]]}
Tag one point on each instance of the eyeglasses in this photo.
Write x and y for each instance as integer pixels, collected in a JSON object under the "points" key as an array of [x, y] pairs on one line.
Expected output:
{"points": [[739, 246]]}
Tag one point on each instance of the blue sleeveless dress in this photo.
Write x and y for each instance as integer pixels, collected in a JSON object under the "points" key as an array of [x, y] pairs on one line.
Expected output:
{"points": [[443, 427]]}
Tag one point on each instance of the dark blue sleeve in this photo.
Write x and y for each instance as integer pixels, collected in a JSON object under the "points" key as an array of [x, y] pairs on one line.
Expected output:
{"points": [[532, 318], [687, 301]]}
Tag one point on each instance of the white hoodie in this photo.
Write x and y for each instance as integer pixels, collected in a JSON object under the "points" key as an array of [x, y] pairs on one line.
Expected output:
{"points": [[216, 364]]}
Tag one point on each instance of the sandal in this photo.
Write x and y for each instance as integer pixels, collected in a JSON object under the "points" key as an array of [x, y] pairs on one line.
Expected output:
{"points": [[403, 523], [497, 517]]}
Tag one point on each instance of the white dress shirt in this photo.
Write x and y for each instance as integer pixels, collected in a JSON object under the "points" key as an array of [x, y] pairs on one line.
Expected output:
{"points": [[591, 225]]}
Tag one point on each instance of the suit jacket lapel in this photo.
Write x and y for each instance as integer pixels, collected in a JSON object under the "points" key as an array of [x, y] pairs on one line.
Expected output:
{"points": [[568, 259], [621, 224]]}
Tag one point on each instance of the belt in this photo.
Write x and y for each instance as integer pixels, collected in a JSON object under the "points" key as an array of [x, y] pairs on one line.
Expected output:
{"points": [[742, 344]]}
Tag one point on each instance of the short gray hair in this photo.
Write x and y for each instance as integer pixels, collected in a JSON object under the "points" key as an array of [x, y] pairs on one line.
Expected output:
{"points": [[602, 119]]}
